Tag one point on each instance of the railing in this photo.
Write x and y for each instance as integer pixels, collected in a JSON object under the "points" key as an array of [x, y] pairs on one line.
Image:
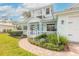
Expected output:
{"points": [[36, 33]]}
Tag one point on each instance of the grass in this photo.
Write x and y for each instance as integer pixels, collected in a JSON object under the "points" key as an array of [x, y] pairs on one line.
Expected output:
{"points": [[9, 47]]}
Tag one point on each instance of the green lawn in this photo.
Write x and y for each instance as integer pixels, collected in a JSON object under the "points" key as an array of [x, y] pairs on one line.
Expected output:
{"points": [[9, 47]]}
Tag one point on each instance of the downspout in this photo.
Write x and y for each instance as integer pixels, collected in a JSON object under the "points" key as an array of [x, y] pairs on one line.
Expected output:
{"points": [[57, 31]]}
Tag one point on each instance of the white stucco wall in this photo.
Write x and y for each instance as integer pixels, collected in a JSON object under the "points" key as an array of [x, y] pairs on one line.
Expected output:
{"points": [[61, 28], [70, 28]]}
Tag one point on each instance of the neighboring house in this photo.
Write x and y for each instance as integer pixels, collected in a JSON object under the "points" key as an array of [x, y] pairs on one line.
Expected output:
{"points": [[41, 21], [68, 23], [6, 25]]}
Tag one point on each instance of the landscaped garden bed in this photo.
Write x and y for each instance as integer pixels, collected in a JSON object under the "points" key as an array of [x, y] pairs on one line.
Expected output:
{"points": [[51, 42]]}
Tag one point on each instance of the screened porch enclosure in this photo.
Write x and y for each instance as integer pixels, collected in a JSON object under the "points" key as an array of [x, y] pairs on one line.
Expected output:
{"points": [[38, 28]]}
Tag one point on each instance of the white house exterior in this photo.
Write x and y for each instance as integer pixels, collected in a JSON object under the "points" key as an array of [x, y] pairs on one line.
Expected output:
{"points": [[41, 21], [68, 23], [6, 25]]}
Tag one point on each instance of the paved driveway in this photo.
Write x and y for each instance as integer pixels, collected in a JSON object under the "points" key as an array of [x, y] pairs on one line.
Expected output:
{"points": [[23, 43]]}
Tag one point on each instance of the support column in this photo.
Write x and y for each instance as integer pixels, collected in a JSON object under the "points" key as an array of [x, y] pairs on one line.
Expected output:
{"points": [[40, 27], [22, 27], [28, 29]]}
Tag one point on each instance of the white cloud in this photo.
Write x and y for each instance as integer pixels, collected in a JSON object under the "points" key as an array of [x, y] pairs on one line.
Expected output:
{"points": [[35, 5], [11, 11], [19, 10], [5, 8]]}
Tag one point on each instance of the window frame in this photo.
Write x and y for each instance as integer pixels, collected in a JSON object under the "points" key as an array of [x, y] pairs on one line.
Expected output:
{"points": [[47, 10]]}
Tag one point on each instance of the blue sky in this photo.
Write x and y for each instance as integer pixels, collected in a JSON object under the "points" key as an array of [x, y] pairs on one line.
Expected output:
{"points": [[61, 6], [15, 5], [57, 6], [6, 6]]}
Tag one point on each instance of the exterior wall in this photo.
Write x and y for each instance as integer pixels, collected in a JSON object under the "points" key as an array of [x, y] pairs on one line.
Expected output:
{"points": [[70, 27], [41, 12], [62, 28], [6, 26], [2, 28]]}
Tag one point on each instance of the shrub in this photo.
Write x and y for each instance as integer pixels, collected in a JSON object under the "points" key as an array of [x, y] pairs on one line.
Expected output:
{"points": [[61, 48], [42, 42], [49, 45], [16, 33], [41, 36], [34, 42], [53, 47], [9, 30], [50, 41], [4, 31], [63, 40], [52, 38]]}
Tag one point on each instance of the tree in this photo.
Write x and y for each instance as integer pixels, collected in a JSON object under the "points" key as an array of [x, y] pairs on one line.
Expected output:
{"points": [[26, 14]]}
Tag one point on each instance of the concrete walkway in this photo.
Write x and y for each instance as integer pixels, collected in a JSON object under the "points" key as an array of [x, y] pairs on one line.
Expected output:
{"points": [[23, 43], [74, 47]]}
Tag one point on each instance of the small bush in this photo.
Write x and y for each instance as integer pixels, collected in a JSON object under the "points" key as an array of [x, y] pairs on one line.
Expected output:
{"points": [[63, 40], [9, 30], [16, 33], [61, 48], [34, 42], [41, 36], [4, 31], [52, 38], [49, 45], [42, 42], [53, 47]]}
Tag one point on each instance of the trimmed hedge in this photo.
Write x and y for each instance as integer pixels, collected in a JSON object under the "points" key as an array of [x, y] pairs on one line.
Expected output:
{"points": [[16, 33], [41, 36]]}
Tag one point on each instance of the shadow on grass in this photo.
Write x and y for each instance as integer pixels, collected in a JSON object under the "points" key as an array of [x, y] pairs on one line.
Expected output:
{"points": [[18, 37]]}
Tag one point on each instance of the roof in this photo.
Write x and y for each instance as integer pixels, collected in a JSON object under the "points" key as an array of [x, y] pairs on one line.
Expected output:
{"points": [[41, 6], [33, 20], [74, 8]]}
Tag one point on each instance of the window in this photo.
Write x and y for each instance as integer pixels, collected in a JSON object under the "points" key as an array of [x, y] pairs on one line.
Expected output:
{"points": [[37, 26], [47, 10], [25, 27], [51, 27], [69, 22], [32, 27], [19, 28], [62, 22], [39, 17]]}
